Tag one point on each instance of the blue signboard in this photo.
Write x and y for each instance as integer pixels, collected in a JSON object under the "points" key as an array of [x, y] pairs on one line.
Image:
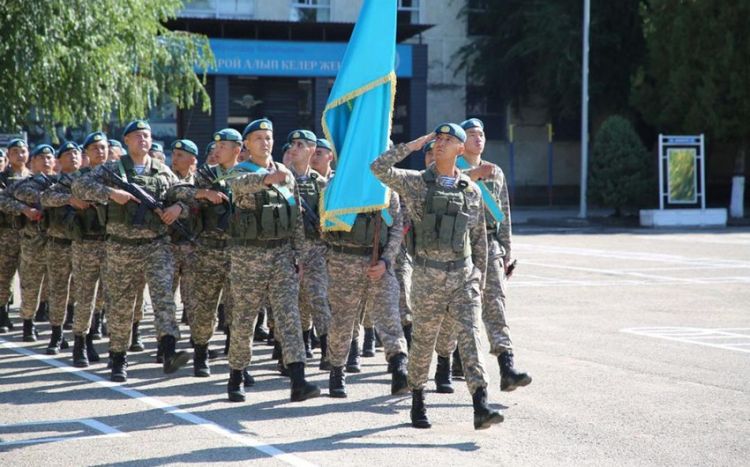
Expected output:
{"points": [[279, 58]]}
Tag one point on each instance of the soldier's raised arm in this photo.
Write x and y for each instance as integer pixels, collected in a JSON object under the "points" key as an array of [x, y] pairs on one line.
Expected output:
{"points": [[400, 180]]}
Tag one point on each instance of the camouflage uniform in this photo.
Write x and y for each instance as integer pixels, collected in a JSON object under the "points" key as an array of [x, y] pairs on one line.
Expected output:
{"points": [[10, 253], [351, 288], [182, 251], [443, 287], [136, 254]]}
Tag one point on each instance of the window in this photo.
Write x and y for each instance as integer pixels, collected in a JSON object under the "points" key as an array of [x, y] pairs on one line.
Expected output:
{"points": [[219, 9], [408, 11], [477, 23], [310, 10], [480, 104]]}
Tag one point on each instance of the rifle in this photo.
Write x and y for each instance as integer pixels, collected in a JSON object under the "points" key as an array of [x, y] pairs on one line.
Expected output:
{"points": [[206, 172], [511, 267], [146, 202], [309, 216]]}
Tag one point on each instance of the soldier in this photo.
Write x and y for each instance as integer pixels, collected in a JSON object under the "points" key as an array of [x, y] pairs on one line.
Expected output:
{"points": [[137, 248], [116, 151], [356, 280], [60, 212], [18, 155], [450, 244], [157, 152], [321, 160], [266, 229], [210, 157], [313, 294], [3, 160], [23, 198]]}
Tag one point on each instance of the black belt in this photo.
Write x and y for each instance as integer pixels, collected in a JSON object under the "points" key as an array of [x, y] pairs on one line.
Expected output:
{"points": [[134, 241], [59, 241], [214, 243], [352, 250], [443, 265], [269, 244]]}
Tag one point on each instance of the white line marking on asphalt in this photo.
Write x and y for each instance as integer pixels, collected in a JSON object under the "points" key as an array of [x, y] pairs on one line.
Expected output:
{"points": [[106, 430], [690, 335], [243, 439]]}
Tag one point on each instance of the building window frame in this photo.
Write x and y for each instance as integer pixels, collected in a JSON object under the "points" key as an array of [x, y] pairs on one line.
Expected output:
{"points": [[310, 11], [414, 10]]}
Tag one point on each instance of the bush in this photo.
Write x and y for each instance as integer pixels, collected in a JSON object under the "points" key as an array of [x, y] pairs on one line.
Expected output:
{"points": [[620, 169]]}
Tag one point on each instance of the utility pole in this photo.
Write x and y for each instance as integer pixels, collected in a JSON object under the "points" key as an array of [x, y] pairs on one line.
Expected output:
{"points": [[585, 108]]}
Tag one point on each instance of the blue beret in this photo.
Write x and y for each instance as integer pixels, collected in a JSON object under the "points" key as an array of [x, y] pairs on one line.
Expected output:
{"points": [[115, 144], [136, 125], [323, 143], [472, 123], [40, 149], [228, 134], [428, 147], [451, 129], [210, 147], [302, 134], [67, 146], [260, 124], [94, 137], [285, 147], [17, 143], [156, 147], [185, 145]]}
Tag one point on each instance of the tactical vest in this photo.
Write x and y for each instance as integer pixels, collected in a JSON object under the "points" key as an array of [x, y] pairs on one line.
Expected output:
{"points": [[363, 232], [308, 189], [8, 220], [444, 227], [151, 182], [214, 217], [272, 219]]}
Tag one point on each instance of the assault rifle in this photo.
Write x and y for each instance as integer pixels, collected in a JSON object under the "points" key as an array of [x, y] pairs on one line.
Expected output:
{"points": [[309, 216], [206, 172]]}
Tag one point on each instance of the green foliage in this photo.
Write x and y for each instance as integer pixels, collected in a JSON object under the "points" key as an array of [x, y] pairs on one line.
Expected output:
{"points": [[621, 173], [74, 61], [534, 48]]}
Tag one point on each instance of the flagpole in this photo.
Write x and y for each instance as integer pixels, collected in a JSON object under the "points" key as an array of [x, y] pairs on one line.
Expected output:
{"points": [[585, 107]]}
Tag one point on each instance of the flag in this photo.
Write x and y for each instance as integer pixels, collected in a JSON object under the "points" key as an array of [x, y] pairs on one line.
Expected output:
{"points": [[357, 116]]}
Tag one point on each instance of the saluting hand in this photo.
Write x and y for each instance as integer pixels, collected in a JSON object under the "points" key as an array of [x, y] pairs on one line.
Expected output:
{"points": [[419, 143]]}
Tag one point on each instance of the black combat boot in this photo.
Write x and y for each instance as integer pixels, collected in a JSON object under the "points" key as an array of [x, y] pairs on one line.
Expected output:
{"points": [[261, 332], [68, 323], [173, 360], [235, 388], [352, 362], [443, 380], [418, 410], [29, 331], [80, 359], [42, 313], [184, 318], [301, 389], [5, 323], [308, 347], [56, 341], [271, 339], [221, 324], [484, 417], [337, 383], [276, 354], [398, 377], [458, 368], [95, 331], [325, 364], [314, 339], [136, 344], [247, 379], [159, 352], [407, 335], [91, 352], [119, 367], [368, 346], [510, 378], [228, 340], [200, 361]]}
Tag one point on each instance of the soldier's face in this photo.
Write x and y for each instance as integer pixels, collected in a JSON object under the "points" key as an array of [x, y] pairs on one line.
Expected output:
{"points": [[44, 163], [321, 160], [182, 161], [138, 142], [300, 152], [3, 163], [97, 152], [447, 147], [18, 156], [70, 161], [226, 153], [211, 157], [475, 141], [259, 144], [114, 154]]}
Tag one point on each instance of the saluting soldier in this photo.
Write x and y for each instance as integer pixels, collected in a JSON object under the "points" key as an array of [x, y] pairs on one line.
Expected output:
{"points": [[137, 246], [450, 244]]}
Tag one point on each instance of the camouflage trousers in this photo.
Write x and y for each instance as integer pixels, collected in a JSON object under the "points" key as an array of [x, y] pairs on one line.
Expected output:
{"points": [[259, 274], [452, 296], [89, 259], [183, 255], [493, 315], [59, 268], [350, 288], [129, 267], [226, 297], [31, 271], [206, 279], [403, 274], [10, 257], [313, 292]]}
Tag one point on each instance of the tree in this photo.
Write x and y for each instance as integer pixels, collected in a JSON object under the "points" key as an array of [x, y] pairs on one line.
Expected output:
{"points": [[696, 78], [74, 61], [533, 48], [621, 175]]}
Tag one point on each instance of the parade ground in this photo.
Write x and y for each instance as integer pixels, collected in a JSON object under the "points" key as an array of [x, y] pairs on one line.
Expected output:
{"points": [[638, 342]]}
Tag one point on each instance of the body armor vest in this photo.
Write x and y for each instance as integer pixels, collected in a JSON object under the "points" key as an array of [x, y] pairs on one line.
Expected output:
{"points": [[272, 219], [308, 189], [151, 182]]}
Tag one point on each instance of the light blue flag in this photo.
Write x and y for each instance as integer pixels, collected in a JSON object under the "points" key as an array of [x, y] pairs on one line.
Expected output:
{"points": [[357, 117], [489, 202]]}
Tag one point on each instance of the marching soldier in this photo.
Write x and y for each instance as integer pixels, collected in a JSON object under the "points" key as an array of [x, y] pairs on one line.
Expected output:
{"points": [[321, 160], [116, 151], [137, 247], [450, 244]]}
